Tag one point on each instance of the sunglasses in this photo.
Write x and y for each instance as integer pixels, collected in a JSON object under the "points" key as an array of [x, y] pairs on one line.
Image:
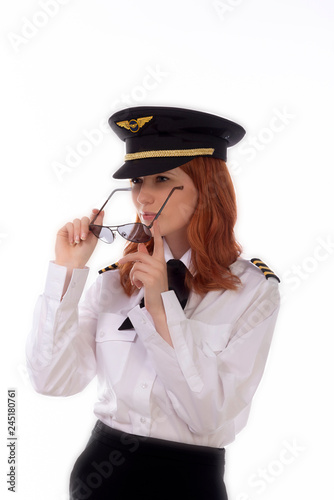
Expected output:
{"points": [[135, 231]]}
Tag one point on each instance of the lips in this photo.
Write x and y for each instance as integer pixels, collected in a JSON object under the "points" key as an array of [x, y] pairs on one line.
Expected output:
{"points": [[147, 216]]}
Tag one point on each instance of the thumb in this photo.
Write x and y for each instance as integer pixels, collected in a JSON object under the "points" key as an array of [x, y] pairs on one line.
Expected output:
{"points": [[99, 219], [142, 248]]}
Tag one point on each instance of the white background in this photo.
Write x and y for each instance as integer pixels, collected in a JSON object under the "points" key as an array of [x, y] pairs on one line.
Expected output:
{"points": [[267, 64]]}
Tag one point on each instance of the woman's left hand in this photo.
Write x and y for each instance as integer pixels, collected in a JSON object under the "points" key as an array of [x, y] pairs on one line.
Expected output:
{"points": [[150, 271]]}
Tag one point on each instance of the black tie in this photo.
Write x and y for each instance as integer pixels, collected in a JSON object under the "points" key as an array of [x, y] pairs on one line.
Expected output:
{"points": [[176, 272]]}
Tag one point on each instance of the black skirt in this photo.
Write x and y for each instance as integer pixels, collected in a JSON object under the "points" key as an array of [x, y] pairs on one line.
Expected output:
{"points": [[120, 466]]}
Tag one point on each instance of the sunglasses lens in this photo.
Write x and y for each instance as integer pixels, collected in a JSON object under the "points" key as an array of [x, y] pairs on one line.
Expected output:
{"points": [[136, 232], [103, 233]]}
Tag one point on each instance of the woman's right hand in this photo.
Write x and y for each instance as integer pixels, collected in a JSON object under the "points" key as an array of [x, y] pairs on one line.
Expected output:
{"points": [[75, 243]]}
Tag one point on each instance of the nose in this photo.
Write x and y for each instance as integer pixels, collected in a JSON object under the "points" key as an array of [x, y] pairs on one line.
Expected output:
{"points": [[145, 196]]}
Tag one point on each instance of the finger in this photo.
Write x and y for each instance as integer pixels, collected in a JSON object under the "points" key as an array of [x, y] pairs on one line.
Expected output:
{"points": [[134, 280], [76, 230], [158, 251], [142, 248], [145, 268], [136, 257], [140, 275], [84, 228], [133, 275], [146, 273], [70, 232], [99, 219]]}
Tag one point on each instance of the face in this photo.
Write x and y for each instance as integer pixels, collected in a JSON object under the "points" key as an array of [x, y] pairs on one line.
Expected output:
{"points": [[150, 192]]}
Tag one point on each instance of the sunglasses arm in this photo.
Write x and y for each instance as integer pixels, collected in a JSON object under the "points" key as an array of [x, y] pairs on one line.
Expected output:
{"points": [[163, 206], [104, 204]]}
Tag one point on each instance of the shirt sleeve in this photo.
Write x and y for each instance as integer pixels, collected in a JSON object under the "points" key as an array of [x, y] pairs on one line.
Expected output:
{"points": [[60, 349], [215, 367]]}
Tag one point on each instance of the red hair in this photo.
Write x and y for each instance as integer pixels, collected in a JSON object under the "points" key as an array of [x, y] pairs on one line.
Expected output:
{"points": [[210, 231]]}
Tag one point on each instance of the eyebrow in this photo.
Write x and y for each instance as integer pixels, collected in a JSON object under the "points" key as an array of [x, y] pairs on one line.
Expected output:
{"points": [[167, 172]]}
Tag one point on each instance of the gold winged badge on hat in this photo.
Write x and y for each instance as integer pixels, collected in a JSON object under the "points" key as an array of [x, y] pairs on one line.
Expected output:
{"points": [[135, 124]]}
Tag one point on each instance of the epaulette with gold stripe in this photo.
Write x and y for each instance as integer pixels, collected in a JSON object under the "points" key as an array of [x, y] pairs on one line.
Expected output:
{"points": [[265, 269], [109, 268]]}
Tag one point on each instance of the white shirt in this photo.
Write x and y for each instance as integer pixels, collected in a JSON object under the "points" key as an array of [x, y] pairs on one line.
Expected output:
{"points": [[198, 392]]}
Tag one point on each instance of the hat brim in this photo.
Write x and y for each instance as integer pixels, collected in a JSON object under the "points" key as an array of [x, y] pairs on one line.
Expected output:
{"points": [[149, 166]]}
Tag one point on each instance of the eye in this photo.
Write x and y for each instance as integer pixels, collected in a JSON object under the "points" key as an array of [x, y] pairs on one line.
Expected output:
{"points": [[162, 178], [136, 180]]}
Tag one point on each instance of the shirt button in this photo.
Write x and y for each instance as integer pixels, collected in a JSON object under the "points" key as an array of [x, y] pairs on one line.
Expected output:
{"points": [[143, 420], [102, 334], [143, 385]]}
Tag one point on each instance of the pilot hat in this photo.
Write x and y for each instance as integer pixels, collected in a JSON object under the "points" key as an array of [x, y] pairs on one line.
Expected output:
{"points": [[158, 139]]}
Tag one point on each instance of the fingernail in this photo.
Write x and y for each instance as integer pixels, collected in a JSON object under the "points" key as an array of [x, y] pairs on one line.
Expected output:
{"points": [[77, 239], [83, 236]]}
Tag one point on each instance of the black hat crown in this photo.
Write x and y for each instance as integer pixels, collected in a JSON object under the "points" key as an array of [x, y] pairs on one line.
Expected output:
{"points": [[158, 139]]}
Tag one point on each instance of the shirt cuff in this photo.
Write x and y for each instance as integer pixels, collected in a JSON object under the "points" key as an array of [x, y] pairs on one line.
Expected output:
{"points": [[56, 277]]}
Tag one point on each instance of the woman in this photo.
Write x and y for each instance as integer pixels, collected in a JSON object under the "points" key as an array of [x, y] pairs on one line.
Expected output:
{"points": [[178, 348]]}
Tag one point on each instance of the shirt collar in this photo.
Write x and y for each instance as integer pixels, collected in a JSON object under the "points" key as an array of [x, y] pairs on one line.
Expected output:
{"points": [[186, 257]]}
